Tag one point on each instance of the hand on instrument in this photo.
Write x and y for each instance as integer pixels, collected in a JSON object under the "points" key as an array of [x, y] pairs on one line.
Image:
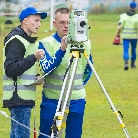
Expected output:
{"points": [[63, 43]]}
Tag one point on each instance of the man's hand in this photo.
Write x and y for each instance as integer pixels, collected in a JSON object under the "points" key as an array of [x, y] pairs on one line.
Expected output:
{"points": [[63, 43], [40, 82], [116, 41], [39, 54]]}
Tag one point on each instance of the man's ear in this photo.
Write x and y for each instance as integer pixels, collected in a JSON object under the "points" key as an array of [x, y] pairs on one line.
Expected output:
{"points": [[54, 23], [25, 20]]}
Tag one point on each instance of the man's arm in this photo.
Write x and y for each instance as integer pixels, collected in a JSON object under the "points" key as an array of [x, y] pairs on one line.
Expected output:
{"points": [[87, 72], [119, 28], [120, 23], [48, 63]]}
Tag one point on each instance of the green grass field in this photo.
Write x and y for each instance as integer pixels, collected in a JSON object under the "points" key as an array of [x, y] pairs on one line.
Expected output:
{"points": [[121, 86]]}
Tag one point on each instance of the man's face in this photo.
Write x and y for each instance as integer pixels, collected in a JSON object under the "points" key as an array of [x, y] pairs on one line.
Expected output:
{"points": [[61, 24], [33, 22]]}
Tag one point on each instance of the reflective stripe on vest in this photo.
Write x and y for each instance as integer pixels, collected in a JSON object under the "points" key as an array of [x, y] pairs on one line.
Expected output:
{"points": [[129, 31], [24, 77], [20, 87], [61, 77], [24, 90], [59, 87]]}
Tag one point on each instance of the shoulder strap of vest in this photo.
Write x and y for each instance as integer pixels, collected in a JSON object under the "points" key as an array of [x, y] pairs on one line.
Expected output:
{"points": [[25, 44], [18, 37], [49, 38]]}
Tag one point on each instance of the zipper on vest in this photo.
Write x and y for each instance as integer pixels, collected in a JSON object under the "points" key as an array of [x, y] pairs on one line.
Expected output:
{"points": [[15, 85]]}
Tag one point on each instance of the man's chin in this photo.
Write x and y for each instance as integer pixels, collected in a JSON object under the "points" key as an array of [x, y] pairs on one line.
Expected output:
{"points": [[35, 32], [65, 33]]}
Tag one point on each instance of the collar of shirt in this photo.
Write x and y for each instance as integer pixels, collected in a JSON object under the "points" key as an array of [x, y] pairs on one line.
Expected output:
{"points": [[57, 37]]}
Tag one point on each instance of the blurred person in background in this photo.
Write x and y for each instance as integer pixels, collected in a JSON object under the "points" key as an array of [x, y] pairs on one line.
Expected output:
{"points": [[128, 28]]}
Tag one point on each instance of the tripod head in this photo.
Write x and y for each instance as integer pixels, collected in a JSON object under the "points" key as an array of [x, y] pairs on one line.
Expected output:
{"points": [[77, 27]]}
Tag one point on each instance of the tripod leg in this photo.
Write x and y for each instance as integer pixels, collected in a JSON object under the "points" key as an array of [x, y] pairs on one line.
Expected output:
{"points": [[66, 104], [65, 85], [59, 114], [63, 104], [107, 96]]}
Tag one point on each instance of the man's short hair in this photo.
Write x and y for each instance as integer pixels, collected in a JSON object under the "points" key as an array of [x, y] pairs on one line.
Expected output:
{"points": [[62, 10]]}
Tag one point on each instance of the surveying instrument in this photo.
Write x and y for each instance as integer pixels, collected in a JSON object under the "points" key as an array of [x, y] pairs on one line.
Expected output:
{"points": [[77, 35]]}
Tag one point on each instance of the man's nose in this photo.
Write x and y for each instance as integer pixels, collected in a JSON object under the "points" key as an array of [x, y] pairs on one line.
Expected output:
{"points": [[39, 24], [66, 25]]}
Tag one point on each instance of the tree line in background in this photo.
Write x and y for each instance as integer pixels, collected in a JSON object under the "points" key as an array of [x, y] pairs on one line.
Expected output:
{"points": [[102, 9], [97, 9]]}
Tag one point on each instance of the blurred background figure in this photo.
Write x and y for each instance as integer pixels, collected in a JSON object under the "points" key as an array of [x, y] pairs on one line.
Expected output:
{"points": [[128, 28]]}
